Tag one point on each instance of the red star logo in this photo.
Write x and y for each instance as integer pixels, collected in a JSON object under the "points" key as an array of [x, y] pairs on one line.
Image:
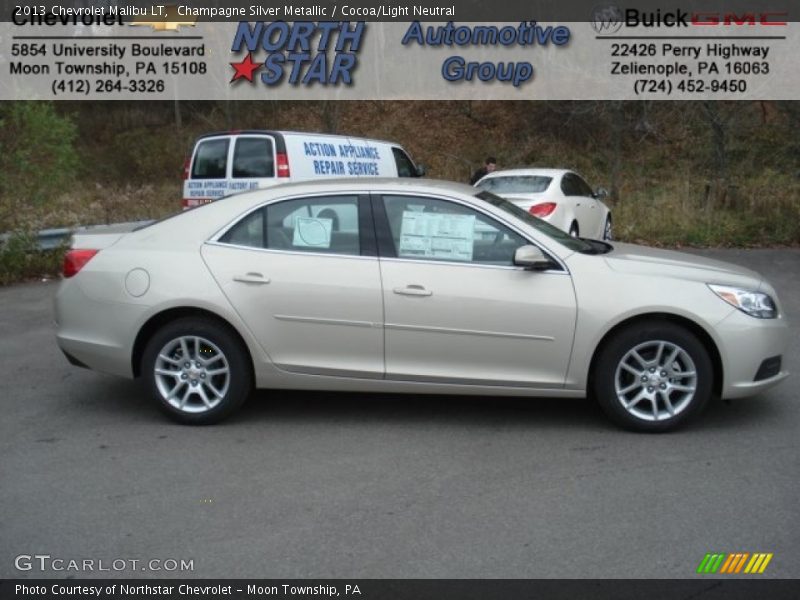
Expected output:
{"points": [[245, 69]]}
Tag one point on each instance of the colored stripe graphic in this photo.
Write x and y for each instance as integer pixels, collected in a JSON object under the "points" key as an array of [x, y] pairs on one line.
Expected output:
{"points": [[758, 563], [734, 562]]}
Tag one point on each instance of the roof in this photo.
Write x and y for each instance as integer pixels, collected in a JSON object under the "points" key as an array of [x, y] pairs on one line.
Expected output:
{"points": [[287, 132], [366, 184]]}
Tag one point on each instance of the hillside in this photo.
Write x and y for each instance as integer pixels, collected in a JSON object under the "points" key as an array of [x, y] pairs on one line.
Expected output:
{"points": [[680, 173]]}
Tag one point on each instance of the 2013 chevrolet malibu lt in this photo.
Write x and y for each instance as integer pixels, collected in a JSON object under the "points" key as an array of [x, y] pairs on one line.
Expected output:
{"points": [[411, 286]]}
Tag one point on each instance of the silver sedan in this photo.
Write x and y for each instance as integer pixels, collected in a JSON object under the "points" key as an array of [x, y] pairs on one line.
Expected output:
{"points": [[416, 287]]}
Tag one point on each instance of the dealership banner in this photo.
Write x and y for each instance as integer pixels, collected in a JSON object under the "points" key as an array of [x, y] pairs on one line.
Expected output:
{"points": [[395, 589], [369, 51]]}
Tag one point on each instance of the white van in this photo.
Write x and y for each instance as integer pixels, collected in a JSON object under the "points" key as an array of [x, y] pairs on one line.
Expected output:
{"points": [[227, 163]]}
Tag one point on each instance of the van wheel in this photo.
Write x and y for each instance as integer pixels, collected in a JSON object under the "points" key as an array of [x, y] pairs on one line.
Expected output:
{"points": [[197, 371], [653, 377]]}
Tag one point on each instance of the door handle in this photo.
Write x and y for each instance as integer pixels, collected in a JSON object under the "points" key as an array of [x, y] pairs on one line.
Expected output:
{"points": [[412, 290], [256, 278]]}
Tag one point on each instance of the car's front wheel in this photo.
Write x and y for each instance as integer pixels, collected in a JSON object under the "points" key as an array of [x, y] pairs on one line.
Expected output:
{"points": [[653, 376], [197, 370]]}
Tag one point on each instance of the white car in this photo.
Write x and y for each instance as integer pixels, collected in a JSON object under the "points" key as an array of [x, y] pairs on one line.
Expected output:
{"points": [[392, 285], [558, 196]]}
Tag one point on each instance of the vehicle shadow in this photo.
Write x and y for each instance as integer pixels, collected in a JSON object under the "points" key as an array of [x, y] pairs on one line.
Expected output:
{"points": [[130, 400], [481, 411]]}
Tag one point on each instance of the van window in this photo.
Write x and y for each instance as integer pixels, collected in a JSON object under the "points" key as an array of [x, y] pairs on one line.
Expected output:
{"points": [[252, 157], [210, 160], [405, 168]]}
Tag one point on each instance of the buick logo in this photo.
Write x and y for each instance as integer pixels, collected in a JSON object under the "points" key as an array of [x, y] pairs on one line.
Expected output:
{"points": [[607, 20]]}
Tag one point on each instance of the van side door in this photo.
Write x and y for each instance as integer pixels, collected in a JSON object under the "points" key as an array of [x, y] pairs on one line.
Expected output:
{"points": [[208, 172]]}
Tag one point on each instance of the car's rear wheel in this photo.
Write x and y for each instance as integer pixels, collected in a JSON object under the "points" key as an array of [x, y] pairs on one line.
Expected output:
{"points": [[573, 229], [608, 229], [197, 370], [653, 377]]}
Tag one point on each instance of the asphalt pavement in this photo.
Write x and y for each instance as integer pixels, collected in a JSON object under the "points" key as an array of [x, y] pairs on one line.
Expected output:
{"points": [[383, 486]]}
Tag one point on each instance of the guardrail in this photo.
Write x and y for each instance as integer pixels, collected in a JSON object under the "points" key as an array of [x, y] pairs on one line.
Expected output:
{"points": [[50, 239]]}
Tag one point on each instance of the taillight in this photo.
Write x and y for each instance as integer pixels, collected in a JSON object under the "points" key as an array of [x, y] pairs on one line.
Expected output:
{"points": [[283, 164], [187, 203], [186, 164], [545, 209], [76, 259]]}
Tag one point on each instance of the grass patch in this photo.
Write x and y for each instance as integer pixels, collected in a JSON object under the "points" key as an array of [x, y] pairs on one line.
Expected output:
{"points": [[753, 215], [102, 204], [21, 259]]}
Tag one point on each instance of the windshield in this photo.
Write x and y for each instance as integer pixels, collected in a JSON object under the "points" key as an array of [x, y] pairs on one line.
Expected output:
{"points": [[563, 238], [516, 184]]}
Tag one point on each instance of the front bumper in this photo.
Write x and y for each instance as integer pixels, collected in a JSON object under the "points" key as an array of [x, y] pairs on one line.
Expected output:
{"points": [[749, 348]]}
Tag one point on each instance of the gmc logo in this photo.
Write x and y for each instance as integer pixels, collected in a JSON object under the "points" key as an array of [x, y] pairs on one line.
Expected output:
{"points": [[752, 19]]}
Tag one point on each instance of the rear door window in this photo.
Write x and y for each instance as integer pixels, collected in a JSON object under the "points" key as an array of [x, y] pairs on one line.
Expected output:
{"points": [[572, 185], [328, 225], [583, 187], [211, 159], [253, 157], [569, 186]]}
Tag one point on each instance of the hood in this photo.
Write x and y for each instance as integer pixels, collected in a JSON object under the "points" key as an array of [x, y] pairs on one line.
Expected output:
{"points": [[630, 258]]}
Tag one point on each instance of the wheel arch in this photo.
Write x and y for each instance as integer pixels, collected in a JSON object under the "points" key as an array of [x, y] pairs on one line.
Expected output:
{"points": [[573, 220], [698, 330], [161, 318]]}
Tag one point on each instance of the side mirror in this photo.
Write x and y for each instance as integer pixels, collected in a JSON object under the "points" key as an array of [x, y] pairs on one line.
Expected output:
{"points": [[601, 193], [531, 257], [421, 170]]}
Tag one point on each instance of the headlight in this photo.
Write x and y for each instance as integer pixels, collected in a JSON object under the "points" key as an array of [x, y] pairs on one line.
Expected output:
{"points": [[755, 304]]}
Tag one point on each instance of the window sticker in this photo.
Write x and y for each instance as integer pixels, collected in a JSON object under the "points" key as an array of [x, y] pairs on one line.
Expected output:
{"points": [[440, 236], [312, 232]]}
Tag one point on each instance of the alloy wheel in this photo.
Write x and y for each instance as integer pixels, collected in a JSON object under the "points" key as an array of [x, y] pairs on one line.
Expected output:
{"points": [[192, 374], [655, 380]]}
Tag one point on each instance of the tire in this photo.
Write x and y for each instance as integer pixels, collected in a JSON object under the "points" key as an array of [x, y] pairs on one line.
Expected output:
{"points": [[678, 374], [573, 229], [608, 230], [197, 391]]}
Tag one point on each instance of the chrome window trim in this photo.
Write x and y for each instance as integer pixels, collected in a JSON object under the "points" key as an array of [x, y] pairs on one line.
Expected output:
{"points": [[214, 239]]}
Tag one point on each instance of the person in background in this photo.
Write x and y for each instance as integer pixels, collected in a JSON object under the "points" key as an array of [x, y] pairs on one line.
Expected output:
{"points": [[489, 165]]}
